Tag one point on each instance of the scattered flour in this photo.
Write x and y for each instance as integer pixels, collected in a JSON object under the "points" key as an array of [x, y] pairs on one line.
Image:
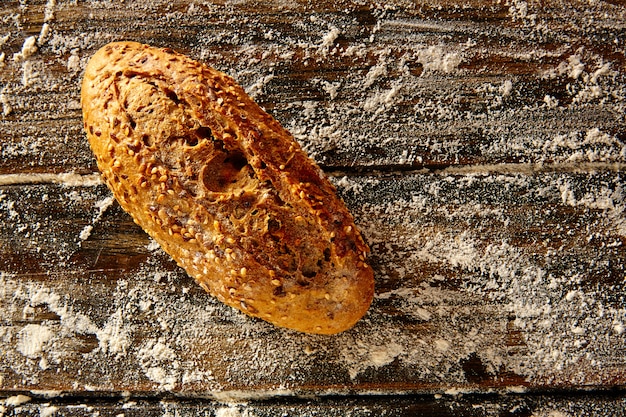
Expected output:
{"points": [[113, 337], [330, 37], [32, 339], [551, 413], [48, 411], [102, 206], [374, 73], [438, 59], [28, 49], [157, 326], [233, 411], [150, 329], [16, 400], [159, 363], [4, 100]]}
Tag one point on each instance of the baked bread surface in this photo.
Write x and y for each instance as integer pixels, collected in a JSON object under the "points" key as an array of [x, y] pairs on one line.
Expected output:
{"points": [[224, 189]]}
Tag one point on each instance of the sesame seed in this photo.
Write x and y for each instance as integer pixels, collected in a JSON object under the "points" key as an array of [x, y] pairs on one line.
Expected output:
{"points": [[154, 170], [163, 178], [275, 282], [327, 296], [348, 229], [243, 272]]}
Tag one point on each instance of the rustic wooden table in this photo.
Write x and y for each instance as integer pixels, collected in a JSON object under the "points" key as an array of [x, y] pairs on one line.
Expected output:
{"points": [[481, 146]]}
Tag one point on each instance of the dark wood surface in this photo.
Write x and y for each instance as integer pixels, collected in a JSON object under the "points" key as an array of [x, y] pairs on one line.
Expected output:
{"points": [[480, 145]]}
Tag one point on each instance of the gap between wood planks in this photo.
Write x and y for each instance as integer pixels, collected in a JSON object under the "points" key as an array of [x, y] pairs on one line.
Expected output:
{"points": [[88, 180], [551, 403]]}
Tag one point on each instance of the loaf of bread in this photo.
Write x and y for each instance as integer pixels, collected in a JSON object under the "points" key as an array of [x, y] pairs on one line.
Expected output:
{"points": [[224, 189]]}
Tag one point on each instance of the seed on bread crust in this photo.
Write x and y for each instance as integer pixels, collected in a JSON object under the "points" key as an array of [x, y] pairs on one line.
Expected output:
{"points": [[224, 189]]}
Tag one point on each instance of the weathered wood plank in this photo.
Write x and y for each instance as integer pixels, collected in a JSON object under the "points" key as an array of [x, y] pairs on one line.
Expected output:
{"points": [[484, 281], [431, 84]]}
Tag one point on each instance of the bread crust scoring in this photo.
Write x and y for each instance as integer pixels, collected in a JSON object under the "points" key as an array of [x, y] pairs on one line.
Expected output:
{"points": [[224, 189]]}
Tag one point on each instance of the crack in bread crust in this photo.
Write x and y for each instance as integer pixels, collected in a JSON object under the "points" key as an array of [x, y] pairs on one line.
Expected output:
{"points": [[224, 189]]}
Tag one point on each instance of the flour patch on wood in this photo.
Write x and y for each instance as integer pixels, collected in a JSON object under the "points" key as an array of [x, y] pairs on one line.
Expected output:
{"points": [[32, 339], [158, 361], [233, 411], [48, 411], [102, 206], [16, 400]]}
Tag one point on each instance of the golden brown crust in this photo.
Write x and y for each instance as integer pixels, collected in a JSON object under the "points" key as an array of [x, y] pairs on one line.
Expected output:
{"points": [[224, 189]]}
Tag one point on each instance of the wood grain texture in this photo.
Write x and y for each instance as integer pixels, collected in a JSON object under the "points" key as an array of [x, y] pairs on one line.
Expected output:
{"points": [[479, 145]]}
